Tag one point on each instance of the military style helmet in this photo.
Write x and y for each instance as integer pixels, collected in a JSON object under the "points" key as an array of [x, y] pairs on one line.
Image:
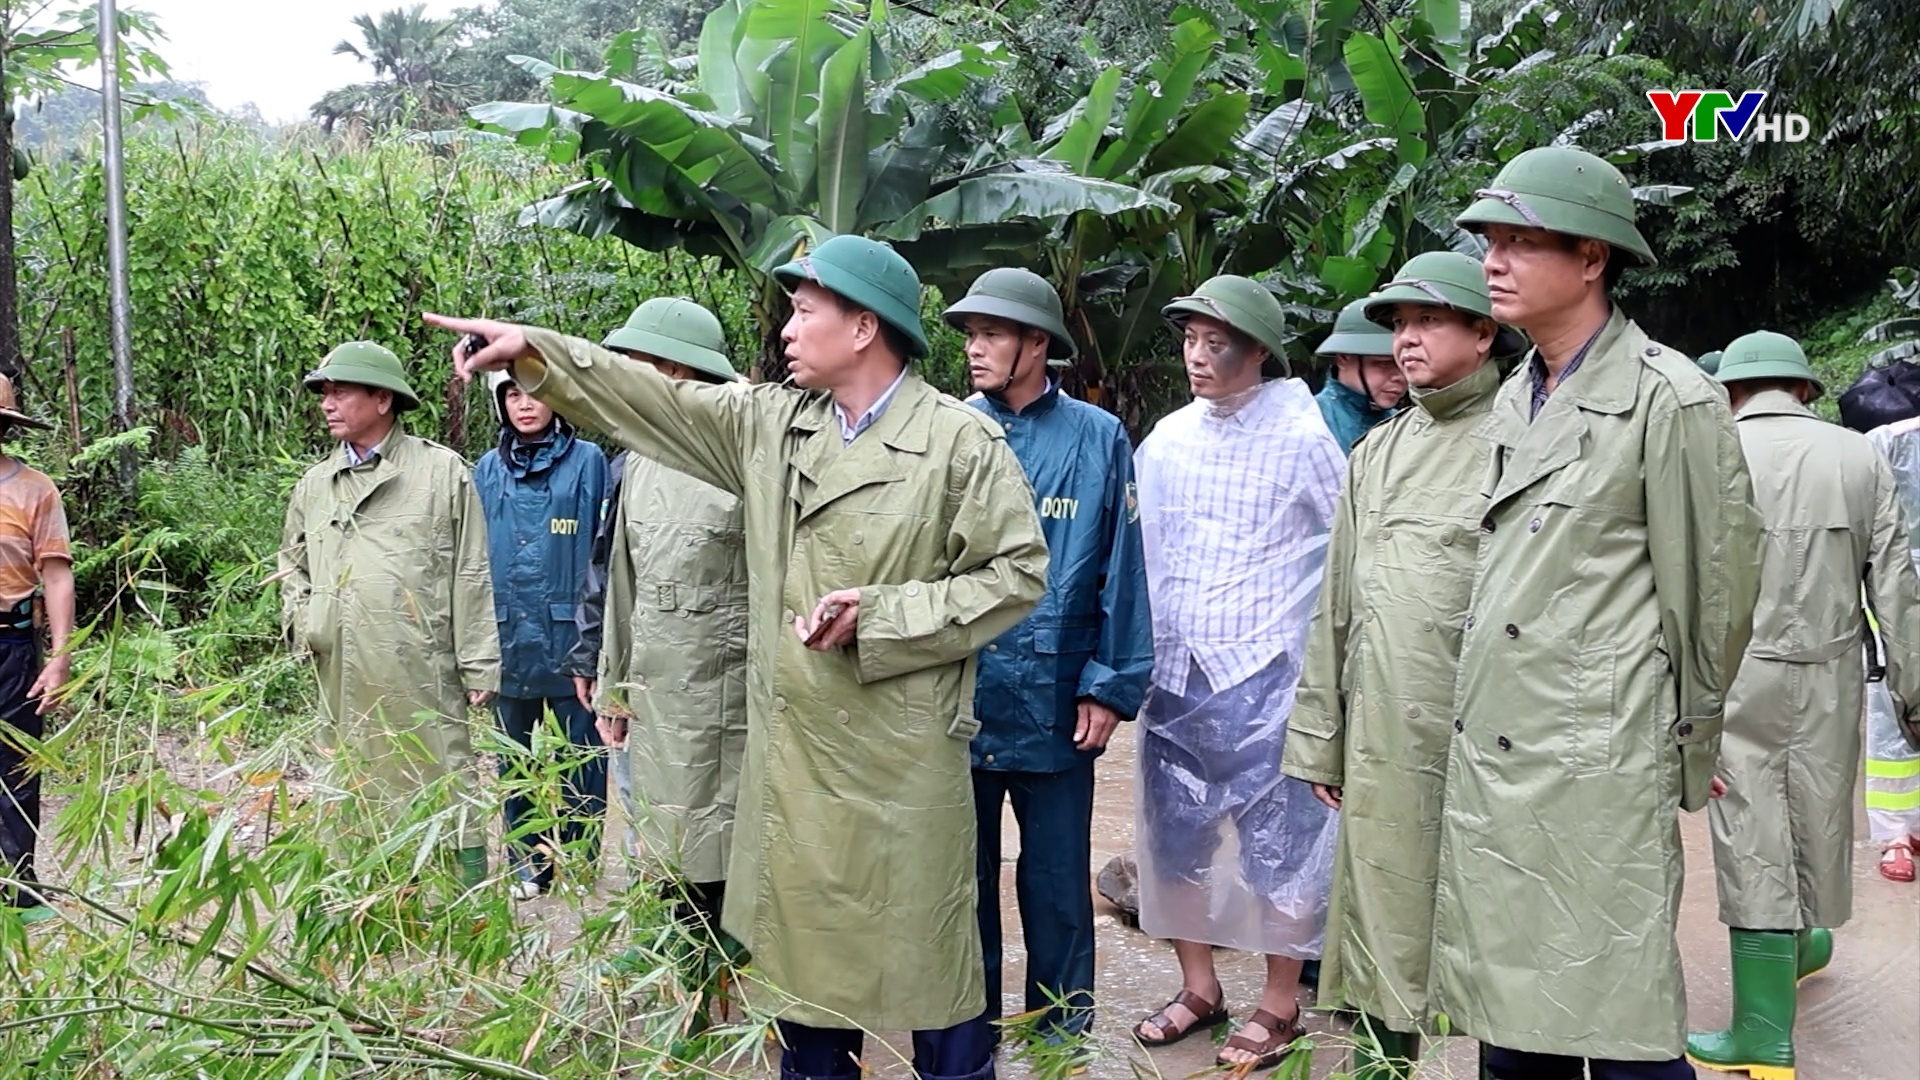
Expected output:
{"points": [[364, 363], [1709, 362], [1020, 296], [1764, 354], [1242, 303], [10, 414], [1436, 278], [677, 329], [1566, 191], [1355, 334], [870, 274]]}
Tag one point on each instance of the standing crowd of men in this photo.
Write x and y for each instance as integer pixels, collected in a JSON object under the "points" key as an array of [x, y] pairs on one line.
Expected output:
{"points": [[1426, 715]]}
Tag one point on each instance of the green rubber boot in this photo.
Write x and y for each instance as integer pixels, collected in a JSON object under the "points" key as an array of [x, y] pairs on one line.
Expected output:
{"points": [[1814, 954], [1383, 1054], [473, 866], [1759, 1042]]}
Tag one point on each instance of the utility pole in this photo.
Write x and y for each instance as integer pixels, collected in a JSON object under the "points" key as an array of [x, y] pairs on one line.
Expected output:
{"points": [[119, 301]]}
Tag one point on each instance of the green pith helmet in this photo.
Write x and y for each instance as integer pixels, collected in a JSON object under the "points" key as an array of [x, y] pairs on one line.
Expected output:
{"points": [[1242, 303], [1020, 296], [1764, 354], [1355, 334], [1709, 362], [1564, 190], [1437, 279], [870, 274], [363, 363], [677, 329]]}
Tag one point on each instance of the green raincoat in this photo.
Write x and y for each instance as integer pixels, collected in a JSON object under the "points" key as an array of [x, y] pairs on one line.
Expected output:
{"points": [[1374, 712], [1783, 835], [386, 590], [851, 879], [1613, 598], [674, 660]]}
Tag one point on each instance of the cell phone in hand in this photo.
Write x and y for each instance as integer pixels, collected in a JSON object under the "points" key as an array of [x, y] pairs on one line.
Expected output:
{"points": [[826, 620], [471, 344]]}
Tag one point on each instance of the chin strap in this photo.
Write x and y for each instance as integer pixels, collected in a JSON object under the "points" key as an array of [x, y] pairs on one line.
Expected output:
{"points": [[1013, 372]]}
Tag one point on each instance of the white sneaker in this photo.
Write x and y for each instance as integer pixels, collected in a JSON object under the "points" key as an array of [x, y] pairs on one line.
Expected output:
{"points": [[526, 890]]}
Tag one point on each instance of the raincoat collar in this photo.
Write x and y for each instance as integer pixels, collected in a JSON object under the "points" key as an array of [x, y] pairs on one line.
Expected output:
{"points": [[1450, 401], [900, 425], [392, 448], [1608, 380], [529, 457], [1773, 403], [1043, 403], [1356, 402]]}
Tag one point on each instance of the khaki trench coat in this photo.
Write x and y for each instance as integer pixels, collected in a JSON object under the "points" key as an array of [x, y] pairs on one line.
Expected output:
{"points": [[1613, 597], [1374, 712], [386, 590], [674, 661], [1783, 835], [851, 875]]}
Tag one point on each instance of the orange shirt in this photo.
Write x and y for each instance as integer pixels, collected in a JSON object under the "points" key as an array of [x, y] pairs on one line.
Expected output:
{"points": [[33, 529]]}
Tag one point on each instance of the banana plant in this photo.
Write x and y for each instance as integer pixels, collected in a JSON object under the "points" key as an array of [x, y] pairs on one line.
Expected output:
{"points": [[794, 125]]}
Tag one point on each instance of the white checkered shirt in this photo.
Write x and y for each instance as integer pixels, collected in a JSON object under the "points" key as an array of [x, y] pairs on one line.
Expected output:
{"points": [[1235, 511]]}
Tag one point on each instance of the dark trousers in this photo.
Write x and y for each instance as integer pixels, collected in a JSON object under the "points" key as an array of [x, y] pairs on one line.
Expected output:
{"points": [[1052, 883], [1519, 1065], [19, 785], [961, 1052], [585, 782]]}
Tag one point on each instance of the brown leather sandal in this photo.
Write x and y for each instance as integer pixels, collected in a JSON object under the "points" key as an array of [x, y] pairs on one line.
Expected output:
{"points": [[1211, 1014], [1271, 1050]]}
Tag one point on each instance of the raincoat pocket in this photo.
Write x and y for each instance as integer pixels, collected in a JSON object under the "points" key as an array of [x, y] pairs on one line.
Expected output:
{"points": [[317, 625], [1590, 736]]}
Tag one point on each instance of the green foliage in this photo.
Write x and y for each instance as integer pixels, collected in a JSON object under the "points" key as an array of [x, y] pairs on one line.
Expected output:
{"points": [[249, 261], [411, 56]]}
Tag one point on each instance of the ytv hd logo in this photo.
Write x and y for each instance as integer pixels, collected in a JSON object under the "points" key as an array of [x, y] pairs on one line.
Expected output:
{"points": [[1714, 111]]}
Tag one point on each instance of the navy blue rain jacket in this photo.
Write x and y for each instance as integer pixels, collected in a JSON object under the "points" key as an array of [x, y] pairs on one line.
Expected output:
{"points": [[543, 501], [1091, 637]]}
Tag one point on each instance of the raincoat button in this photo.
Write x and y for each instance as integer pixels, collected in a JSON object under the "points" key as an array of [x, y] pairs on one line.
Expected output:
{"points": [[683, 684], [1534, 525], [1459, 725], [779, 704], [1684, 730], [1513, 631], [1486, 524], [685, 614], [859, 538], [1413, 712], [1504, 743], [1653, 350], [1427, 626], [912, 589], [1446, 538], [841, 716], [1386, 534], [787, 615]]}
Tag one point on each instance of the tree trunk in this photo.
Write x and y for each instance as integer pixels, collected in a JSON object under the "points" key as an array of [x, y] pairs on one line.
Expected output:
{"points": [[10, 359]]}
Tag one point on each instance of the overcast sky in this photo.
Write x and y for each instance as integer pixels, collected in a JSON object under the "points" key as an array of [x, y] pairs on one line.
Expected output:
{"points": [[277, 54]]}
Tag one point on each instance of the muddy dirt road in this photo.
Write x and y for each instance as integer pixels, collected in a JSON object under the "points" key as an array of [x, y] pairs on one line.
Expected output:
{"points": [[1859, 1020]]}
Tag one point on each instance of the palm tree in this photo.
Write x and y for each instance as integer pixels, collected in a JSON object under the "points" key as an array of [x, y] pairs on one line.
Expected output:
{"points": [[409, 53]]}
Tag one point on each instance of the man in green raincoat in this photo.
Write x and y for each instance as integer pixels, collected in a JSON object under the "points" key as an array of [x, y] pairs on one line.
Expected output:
{"points": [[671, 686], [1613, 597], [1364, 385], [1783, 833], [385, 588], [891, 535], [1372, 718]]}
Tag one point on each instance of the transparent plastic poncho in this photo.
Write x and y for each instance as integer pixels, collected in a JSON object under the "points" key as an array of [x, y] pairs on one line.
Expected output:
{"points": [[1893, 767], [1236, 500]]}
